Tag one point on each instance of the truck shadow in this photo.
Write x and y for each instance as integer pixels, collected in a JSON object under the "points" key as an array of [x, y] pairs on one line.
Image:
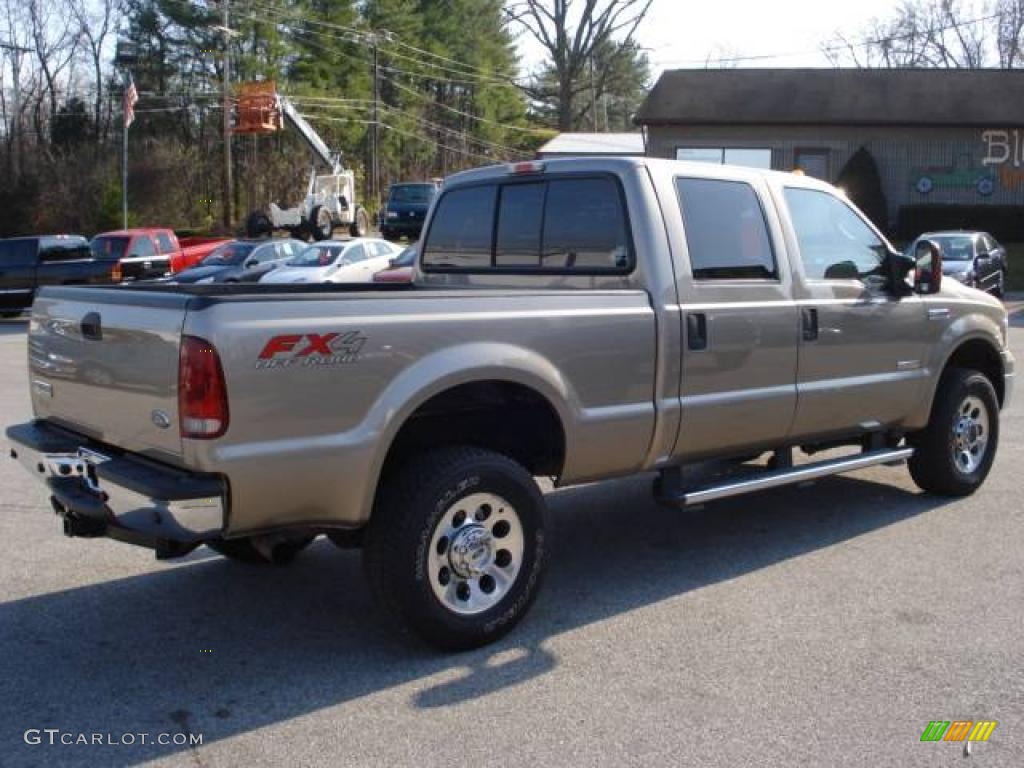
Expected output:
{"points": [[212, 647]]}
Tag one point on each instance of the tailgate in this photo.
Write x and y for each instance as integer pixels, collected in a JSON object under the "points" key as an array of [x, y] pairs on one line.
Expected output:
{"points": [[104, 362]]}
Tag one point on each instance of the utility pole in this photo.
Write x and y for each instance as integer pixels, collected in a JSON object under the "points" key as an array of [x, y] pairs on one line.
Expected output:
{"points": [[227, 182], [375, 131], [16, 51]]}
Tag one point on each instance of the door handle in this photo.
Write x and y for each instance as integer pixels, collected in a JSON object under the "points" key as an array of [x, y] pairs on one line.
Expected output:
{"points": [[809, 323], [697, 331], [91, 327]]}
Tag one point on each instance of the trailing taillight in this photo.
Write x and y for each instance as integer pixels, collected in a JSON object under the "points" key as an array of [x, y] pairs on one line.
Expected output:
{"points": [[116, 274], [202, 394]]}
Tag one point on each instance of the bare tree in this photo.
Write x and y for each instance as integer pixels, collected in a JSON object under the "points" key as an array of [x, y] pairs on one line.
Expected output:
{"points": [[937, 33], [55, 41], [96, 21], [571, 32]]}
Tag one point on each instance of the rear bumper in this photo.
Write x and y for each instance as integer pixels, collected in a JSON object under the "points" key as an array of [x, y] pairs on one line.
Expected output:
{"points": [[122, 496]]}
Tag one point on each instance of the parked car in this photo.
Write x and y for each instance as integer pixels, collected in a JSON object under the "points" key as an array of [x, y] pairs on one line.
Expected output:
{"points": [[578, 319], [241, 261], [971, 258], [336, 261], [399, 269], [405, 209], [153, 252], [28, 263]]}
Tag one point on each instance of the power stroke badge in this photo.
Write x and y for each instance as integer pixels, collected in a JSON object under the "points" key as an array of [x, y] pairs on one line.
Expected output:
{"points": [[311, 350]]}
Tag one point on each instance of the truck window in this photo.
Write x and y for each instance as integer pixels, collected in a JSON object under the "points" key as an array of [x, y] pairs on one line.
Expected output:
{"points": [[585, 227], [834, 241], [142, 246], [726, 232], [18, 253], [460, 235], [164, 240], [520, 215], [69, 252]]}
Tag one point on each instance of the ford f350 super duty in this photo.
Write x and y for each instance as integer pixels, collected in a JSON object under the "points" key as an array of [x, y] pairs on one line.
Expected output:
{"points": [[579, 319]]}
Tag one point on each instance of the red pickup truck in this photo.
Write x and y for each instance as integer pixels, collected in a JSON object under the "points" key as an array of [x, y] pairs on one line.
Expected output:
{"points": [[151, 252]]}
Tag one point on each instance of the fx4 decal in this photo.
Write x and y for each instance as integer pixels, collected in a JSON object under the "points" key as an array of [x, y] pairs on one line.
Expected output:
{"points": [[310, 350]]}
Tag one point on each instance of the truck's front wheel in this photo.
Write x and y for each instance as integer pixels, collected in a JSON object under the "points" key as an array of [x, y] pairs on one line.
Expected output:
{"points": [[953, 454], [456, 546]]}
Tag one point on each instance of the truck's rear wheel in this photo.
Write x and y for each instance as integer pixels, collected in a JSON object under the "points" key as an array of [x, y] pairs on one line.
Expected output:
{"points": [[360, 224], [320, 223], [954, 453], [456, 547], [273, 550], [257, 224]]}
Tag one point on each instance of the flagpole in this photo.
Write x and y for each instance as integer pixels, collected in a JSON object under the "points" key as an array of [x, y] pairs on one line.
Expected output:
{"points": [[124, 156]]}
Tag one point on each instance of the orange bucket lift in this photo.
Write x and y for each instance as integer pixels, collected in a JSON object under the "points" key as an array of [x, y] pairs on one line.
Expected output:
{"points": [[258, 110]]}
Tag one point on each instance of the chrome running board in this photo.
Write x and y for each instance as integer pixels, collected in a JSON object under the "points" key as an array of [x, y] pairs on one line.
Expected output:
{"points": [[786, 476]]}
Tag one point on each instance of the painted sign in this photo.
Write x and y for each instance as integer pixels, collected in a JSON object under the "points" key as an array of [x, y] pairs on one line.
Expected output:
{"points": [[1003, 147]]}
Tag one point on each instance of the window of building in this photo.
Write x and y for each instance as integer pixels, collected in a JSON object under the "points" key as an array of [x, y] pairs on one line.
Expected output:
{"points": [[813, 162], [460, 234], [748, 157], [726, 232], [835, 242]]}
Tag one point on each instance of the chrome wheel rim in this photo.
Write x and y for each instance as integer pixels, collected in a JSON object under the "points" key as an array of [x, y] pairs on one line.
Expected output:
{"points": [[476, 553], [970, 434]]}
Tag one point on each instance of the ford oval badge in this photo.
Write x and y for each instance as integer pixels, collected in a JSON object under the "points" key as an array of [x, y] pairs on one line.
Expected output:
{"points": [[161, 419]]}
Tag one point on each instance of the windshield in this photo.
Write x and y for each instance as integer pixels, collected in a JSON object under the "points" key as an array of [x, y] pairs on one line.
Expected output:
{"points": [[228, 255], [957, 248], [411, 193], [108, 247], [317, 256]]}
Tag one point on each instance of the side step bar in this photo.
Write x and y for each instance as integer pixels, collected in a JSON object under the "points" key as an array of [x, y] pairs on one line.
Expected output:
{"points": [[786, 476]]}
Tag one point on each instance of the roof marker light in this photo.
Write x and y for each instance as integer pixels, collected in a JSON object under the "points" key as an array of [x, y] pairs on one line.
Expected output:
{"points": [[529, 166]]}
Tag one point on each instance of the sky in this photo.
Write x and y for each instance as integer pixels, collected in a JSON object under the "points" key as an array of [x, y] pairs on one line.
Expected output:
{"points": [[682, 33]]}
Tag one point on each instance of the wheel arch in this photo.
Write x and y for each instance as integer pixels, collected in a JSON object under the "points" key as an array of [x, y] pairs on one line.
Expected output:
{"points": [[464, 390], [976, 351]]}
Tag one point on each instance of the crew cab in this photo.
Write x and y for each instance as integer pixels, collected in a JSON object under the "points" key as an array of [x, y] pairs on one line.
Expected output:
{"points": [[147, 253], [27, 263], [580, 319]]}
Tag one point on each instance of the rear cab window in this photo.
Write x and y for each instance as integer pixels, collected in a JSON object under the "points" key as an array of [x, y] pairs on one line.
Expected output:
{"points": [[560, 225], [166, 243]]}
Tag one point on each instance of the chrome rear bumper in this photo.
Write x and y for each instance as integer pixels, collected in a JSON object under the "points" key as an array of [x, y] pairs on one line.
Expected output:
{"points": [[98, 493]]}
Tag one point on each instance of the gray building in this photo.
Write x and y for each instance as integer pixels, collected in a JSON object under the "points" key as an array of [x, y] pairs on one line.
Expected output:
{"points": [[937, 136]]}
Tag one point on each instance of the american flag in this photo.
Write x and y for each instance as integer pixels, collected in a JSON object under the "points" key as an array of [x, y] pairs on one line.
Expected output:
{"points": [[131, 95]]}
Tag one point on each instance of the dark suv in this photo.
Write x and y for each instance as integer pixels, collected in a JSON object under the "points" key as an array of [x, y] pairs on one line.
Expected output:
{"points": [[406, 208]]}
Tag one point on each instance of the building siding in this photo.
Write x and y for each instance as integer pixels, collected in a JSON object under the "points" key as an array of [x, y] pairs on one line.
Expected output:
{"points": [[951, 157]]}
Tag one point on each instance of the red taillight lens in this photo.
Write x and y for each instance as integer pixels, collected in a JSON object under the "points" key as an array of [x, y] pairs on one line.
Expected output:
{"points": [[116, 274], [202, 395]]}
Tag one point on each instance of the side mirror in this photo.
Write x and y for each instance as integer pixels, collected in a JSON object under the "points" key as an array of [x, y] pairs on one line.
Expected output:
{"points": [[898, 268], [843, 270], [928, 258]]}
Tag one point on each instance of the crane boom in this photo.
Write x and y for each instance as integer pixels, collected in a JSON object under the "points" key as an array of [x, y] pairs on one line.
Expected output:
{"points": [[331, 160]]}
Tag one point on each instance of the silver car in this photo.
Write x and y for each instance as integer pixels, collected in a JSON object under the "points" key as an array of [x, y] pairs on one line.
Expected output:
{"points": [[337, 261]]}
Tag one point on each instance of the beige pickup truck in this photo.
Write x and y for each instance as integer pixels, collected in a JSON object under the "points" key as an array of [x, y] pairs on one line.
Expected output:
{"points": [[579, 319]]}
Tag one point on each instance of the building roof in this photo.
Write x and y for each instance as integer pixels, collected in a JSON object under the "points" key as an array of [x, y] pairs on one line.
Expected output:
{"points": [[594, 144], [933, 97]]}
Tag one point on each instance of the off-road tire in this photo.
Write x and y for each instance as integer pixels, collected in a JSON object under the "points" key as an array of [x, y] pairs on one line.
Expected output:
{"points": [[257, 224], [320, 223], [360, 225], [244, 551], [933, 465], [412, 502]]}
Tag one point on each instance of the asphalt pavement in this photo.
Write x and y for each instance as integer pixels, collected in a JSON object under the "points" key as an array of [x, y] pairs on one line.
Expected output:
{"points": [[814, 626]]}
